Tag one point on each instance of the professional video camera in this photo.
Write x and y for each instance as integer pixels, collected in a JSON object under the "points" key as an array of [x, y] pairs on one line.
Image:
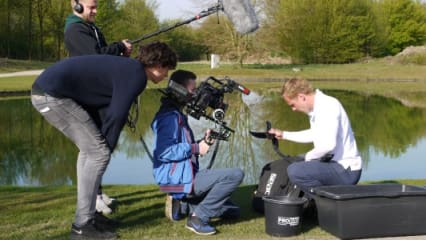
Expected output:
{"points": [[207, 101]]}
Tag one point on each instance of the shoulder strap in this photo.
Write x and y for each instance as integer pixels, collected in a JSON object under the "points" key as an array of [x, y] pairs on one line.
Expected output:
{"points": [[180, 124]]}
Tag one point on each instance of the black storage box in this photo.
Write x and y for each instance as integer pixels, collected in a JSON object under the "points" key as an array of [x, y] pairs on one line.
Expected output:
{"points": [[376, 210]]}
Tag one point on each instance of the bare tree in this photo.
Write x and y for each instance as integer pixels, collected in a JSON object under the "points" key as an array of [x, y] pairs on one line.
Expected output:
{"points": [[41, 10], [30, 29], [57, 13]]}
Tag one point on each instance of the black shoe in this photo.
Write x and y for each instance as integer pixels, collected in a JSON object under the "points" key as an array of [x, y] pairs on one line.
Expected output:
{"points": [[91, 231], [105, 222], [232, 211]]}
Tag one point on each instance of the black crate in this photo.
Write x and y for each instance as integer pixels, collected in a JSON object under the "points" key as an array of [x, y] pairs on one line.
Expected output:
{"points": [[376, 210]]}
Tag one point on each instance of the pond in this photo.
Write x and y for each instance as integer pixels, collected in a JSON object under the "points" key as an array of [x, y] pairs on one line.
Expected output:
{"points": [[391, 138]]}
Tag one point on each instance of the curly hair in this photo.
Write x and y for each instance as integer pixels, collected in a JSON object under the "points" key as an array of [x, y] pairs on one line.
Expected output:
{"points": [[157, 53]]}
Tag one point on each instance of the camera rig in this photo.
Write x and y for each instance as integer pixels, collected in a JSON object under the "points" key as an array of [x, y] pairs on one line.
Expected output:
{"points": [[207, 101]]}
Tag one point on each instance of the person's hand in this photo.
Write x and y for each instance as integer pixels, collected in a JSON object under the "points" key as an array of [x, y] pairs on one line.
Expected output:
{"points": [[278, 134], [203, 147], [128, 51], [205, 144]]}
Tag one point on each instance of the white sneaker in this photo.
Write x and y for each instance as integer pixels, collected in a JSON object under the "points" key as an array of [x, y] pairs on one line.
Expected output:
{"points": [[107, 200], [102, 207]]}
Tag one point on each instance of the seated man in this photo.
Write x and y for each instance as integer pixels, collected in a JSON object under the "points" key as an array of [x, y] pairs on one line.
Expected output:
{"points": [[335, 159], [176, 166]]}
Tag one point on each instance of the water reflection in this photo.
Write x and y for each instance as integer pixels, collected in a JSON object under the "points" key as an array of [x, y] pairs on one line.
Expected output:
{"points": [[391, 138]]}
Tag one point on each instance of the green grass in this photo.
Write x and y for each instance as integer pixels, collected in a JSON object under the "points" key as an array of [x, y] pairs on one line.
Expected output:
{"points": [[47, 213], [410, 93], [381, 69], [23, 83], [405, 82], [12, 65]]}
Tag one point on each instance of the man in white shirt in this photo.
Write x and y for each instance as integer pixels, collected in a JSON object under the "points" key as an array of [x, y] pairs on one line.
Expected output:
{"points": [[335, 159]]}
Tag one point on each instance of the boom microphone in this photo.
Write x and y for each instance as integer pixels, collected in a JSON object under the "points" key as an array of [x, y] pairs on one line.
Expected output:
{"points": [[241, 14]]}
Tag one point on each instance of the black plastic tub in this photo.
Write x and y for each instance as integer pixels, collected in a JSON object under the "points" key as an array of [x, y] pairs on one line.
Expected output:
{"points": [[283, 215], [376, 210]]}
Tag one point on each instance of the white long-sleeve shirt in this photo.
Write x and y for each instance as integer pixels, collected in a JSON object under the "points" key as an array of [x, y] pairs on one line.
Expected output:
{"points": [[330, 131]]}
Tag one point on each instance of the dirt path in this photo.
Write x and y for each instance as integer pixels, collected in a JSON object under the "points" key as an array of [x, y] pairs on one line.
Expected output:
{"points": [[22, 73]]}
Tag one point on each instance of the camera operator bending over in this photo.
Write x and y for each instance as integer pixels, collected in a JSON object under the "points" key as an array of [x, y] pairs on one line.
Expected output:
{"points": [[64, 92], [83, 37], [176, 167], [335, 159]]}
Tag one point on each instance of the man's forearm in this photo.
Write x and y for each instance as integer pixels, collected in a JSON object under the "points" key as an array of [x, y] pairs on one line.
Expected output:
{"points": [[304, 136]]}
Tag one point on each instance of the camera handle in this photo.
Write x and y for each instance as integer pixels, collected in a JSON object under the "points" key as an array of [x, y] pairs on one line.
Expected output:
{"points": [[220, 123], [216, 148]]}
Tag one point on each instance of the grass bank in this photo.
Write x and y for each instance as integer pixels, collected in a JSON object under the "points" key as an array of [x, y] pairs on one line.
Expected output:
{"points": [[378, 70], [47, 213], [13, 65], [405, 82], [410, 93]]}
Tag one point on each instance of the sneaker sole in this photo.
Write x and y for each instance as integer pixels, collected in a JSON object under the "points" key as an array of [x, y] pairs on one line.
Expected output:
{"points": [[199, 233]]}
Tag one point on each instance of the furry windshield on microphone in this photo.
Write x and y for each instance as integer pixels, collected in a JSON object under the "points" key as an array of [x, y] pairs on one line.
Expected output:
{"points": [[241, 14]]}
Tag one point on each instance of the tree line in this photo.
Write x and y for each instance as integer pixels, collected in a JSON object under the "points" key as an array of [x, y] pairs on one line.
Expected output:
{"points": [[307, 31]]}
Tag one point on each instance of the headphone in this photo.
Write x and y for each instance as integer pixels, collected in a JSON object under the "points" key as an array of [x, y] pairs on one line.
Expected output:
{"points": [[78, 7]]}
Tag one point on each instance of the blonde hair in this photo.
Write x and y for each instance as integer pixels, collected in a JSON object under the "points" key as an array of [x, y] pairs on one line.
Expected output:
{"points": [[294, 86]]}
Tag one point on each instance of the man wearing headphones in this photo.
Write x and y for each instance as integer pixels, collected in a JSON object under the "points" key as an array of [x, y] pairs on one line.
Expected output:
{"points": [[83, 37]]}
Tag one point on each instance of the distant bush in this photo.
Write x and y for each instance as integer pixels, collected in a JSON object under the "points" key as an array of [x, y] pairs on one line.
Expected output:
{"points": [[416, 58], [412, 55]]}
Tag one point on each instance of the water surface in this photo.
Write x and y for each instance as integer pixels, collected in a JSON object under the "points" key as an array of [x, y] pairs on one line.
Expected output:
{"points": [[391, 138]]}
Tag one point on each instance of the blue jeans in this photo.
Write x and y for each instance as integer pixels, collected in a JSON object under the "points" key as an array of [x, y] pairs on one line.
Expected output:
{"points": [[215, 187], [76, 124], [307, 175]]}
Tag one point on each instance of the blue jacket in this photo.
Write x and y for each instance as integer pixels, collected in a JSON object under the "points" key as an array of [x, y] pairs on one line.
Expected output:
{"points": [[175, 151]]}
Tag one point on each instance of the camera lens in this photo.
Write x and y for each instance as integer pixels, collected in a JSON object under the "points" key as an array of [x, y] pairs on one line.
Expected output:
{"points": [[218, 115]]}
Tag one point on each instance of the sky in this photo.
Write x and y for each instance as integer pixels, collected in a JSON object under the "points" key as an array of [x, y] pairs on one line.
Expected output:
{"points": [[183, 9]]}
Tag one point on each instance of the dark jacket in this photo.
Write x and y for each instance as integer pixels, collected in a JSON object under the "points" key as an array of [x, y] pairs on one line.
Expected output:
{"points": [[111, 88], [175, 151], [82, 38]]}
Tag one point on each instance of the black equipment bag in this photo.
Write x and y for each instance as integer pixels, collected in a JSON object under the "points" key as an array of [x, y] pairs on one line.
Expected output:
{"points": [[273, 181]]}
